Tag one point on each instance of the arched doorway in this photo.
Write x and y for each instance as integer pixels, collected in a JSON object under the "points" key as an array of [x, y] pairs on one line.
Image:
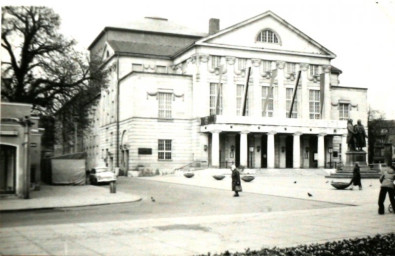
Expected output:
{"points": [[7, 169]]}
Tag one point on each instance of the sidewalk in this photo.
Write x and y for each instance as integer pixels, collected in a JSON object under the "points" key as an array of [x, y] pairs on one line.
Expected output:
{"points": [[355, 217], [66, 196]]}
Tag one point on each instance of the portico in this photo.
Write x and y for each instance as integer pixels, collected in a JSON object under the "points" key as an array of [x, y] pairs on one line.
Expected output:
{"points": [[268, 143]]}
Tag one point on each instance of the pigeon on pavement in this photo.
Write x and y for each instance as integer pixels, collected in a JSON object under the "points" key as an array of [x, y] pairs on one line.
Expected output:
{"points": [[310, 195], [152, 199]]}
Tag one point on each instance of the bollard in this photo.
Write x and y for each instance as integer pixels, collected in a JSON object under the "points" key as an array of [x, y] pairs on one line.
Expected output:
{"points": [[113, 187]]}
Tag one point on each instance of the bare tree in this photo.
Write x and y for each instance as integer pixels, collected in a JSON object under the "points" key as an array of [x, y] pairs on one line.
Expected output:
{"points": [[42, 67], [375, 123]]}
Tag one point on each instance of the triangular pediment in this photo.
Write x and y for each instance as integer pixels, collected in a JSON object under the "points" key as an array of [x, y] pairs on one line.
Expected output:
{"points": [[246, 35]]}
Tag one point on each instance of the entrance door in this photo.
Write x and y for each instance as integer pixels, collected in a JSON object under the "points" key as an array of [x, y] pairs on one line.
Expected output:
{"points": [[264, 152], [7, 169], [289, 152]]}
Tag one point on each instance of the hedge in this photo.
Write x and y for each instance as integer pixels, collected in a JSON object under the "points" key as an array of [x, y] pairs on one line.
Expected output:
{"points": [[379, 245]]}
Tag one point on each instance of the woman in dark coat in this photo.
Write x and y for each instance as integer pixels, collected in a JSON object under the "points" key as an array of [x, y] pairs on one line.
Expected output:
{"points": [[356, 177], [236, 182]]}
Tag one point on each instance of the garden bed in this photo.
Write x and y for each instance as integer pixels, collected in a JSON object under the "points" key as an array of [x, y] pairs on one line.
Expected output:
{"points": [[378, 245]]}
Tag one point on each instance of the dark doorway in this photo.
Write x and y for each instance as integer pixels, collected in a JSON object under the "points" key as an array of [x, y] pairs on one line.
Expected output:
{"points": [[289, 143], [7, 169], [237, 149], [264, 152], [313, 152]]}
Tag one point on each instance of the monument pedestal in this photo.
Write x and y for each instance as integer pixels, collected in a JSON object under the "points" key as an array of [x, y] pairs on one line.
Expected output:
{"points": [[353, 157]]}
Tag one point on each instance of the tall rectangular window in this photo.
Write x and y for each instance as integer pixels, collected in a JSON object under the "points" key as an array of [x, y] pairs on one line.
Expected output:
{"points": [[291, 67], [239, 99], [267, 91], [164, 105], [241, 63], [266, 65], [164, 149], [215, 61], [215, 90], [313, 70], [289, 96], [314, 104], [344, 113]]}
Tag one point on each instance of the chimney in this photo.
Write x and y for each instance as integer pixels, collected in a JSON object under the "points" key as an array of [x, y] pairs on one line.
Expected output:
{"points": [[213, 26]]}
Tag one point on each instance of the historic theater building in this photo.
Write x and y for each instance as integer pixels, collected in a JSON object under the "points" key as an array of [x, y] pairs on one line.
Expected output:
{"points": [[175, 96]]}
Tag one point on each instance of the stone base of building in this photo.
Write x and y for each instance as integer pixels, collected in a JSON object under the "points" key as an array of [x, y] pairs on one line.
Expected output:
{"points": [[353, 157]]}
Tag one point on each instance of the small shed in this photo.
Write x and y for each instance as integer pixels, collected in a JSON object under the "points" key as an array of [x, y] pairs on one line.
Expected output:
{"points": [[69, 169]]}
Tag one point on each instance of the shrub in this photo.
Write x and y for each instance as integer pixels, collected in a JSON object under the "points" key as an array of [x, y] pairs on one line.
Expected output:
{"points": [[383, 245]]}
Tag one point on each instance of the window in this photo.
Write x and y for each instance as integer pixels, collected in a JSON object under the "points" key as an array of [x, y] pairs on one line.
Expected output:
{"points": [[313, 70], [242, 63], [267, 36], [215, 89], [291, 68], [266, 90], [239, 99], [164, 149], [161, 69], [215, 61], [266, 65], [314, 104], [137, 67], [344, 111], [164, 107], [289, 96]]}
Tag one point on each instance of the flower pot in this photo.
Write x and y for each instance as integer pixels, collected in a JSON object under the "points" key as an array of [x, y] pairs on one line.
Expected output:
{"points": [[189, 174], [248, 178], [219, 177]]}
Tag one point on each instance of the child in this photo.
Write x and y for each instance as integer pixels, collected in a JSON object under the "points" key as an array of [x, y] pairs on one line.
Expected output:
{"points": [[356, 177]]}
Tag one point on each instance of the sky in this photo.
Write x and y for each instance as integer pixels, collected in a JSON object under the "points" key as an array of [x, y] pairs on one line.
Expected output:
{"points": [[360, 32]]}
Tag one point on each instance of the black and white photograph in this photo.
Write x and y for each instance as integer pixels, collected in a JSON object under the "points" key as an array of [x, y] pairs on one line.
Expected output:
{"points": [[210, 127]]}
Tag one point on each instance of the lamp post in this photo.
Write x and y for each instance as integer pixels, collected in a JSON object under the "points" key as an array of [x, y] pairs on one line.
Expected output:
{"points": [[330, 149]]}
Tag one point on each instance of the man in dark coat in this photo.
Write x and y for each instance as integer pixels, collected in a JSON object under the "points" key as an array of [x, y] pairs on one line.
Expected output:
{"points": [[356, 177], [236, 182]]}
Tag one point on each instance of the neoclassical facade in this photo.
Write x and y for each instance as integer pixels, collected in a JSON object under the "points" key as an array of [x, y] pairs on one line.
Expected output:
{"points": [[175, 96]]}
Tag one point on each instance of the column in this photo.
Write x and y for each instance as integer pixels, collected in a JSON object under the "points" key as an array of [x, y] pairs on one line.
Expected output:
{"points": [[215, 149], [296, 150], [270, 149], [258, 144], [344, 148], [304, 96], [321, 150], [281, 106], [327, 97], [243, 148]]}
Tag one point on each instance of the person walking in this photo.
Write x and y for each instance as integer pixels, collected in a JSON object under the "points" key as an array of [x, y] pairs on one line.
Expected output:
{"points": [[387, 186], [236, 182], [356, 177]]}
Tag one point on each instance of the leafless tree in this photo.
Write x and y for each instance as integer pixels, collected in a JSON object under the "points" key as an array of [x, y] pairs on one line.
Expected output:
{"points": [[41, 66]]}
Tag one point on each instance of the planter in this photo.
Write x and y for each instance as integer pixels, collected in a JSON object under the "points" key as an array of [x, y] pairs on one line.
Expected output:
{"points": [[189, 174], [248, 178], [219, 177], [340, 185]]}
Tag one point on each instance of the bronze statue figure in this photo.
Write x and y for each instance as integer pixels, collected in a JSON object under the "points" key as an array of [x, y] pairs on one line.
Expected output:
{"points": [[360, 136], [356, 137], [350, 136]]}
